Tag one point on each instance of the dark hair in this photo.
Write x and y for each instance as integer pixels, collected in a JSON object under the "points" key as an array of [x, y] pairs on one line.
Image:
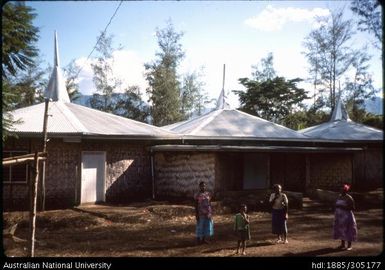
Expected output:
{"points": [[201, 183], [277, 186], [242, 205]]}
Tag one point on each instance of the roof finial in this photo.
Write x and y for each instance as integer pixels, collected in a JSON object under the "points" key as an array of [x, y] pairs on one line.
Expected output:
{"points": [[56, 59], [222, 100], [56, 89], [339, 112]]}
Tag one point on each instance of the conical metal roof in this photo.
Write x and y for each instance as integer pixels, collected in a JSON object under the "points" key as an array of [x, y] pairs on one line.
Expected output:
{"points": [[233, 123], [340, 127], [56, 90]]}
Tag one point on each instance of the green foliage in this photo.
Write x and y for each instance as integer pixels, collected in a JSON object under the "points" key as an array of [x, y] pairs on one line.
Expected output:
{"points": [[265, 69], [376, 121], [8, 99], [18, 54], [193, 97], [72, 85], [360, 88], [272, 100], [18, 38], [161, 74], [131, 105], [369, 12], [104, 80], [329, 53]]}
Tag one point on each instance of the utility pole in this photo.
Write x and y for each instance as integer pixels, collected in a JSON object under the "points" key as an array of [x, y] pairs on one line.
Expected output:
{"points": [[32, 213], [44, 151]]}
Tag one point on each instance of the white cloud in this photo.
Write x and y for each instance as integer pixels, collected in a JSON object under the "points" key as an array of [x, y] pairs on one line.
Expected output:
{"points": [[273, 19], [127, 66]]}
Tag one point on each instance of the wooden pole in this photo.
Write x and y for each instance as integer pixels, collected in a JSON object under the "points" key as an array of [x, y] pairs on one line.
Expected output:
{"points": [[223, 86], [32, 213], [44, 151]]}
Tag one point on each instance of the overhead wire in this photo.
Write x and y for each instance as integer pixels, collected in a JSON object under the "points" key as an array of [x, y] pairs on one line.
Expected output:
{"points": [[104, 31]]}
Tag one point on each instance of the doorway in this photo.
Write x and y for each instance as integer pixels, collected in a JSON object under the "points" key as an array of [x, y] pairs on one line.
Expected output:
{"points": [[93, 177]]}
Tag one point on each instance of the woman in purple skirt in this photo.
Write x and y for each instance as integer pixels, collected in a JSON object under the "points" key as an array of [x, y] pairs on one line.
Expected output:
{"points": [[345, 226]]}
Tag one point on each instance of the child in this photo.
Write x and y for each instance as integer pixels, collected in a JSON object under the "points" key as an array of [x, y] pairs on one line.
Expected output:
{"points": [[242, 228]]}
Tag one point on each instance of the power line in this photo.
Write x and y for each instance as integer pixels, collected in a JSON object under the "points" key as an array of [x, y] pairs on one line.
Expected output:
{"points": [[104, 31]]}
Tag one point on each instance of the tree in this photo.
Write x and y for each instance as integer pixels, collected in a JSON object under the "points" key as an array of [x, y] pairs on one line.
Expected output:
{"points": [[72, 85], [18, 37], [130, 105], [104, 80], [29, 87], [18, 53], [369, 12], [329, 52], [360, 88], [376, 121], [273, 99], [161, 74], [193, 96], [266, 70]]}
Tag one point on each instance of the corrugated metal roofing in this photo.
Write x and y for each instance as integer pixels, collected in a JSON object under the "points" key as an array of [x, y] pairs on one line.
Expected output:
{"points": [[233, 123], [69, 118], [340, 127]]}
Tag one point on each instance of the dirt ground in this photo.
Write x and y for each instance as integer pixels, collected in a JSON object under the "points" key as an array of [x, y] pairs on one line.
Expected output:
{"points": [[162, 229]]}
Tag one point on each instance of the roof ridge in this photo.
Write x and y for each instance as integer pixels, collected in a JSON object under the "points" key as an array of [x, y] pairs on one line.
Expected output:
{"points": [[121, 117], [73, 120], [281, 126], [207, 121]]}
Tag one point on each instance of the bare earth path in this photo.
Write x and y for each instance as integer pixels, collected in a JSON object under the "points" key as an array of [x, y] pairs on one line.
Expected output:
{"points": [[162, 230]]}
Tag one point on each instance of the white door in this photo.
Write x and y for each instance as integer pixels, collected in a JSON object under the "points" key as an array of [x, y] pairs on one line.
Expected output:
{"points": [[93, 177]]}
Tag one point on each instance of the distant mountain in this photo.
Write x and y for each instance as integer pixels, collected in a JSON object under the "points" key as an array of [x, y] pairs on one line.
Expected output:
{"points": [[83, 100], [374, 106]]}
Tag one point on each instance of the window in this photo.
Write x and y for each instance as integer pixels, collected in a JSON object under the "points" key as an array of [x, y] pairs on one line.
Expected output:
{"points": [[15, 173]]}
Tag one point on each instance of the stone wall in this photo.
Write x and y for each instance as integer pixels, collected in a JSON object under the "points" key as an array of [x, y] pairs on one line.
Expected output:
{"points": [[179, 174], [330, 171], [373, 168], [128, 172], [288, 170]]}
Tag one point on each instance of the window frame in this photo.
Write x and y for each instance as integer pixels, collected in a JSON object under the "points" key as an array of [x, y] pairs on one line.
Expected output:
{"points": [[14, 153]]}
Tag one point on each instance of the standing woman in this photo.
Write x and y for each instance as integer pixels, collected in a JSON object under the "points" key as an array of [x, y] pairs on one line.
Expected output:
{"points": [[279, 204], [203, 214], [345, 226]]}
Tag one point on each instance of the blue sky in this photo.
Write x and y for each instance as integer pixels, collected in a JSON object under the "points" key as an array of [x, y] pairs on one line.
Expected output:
{"points": [[237, 34]]}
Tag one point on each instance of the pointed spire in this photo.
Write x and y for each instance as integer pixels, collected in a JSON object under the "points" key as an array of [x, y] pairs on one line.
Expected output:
{"points": [[222, 100], [339, 112], [56, 90], [56, 59]]}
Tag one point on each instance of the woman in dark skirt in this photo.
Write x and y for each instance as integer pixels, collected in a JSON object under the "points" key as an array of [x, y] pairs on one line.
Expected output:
{"points": [[279, 204]]}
